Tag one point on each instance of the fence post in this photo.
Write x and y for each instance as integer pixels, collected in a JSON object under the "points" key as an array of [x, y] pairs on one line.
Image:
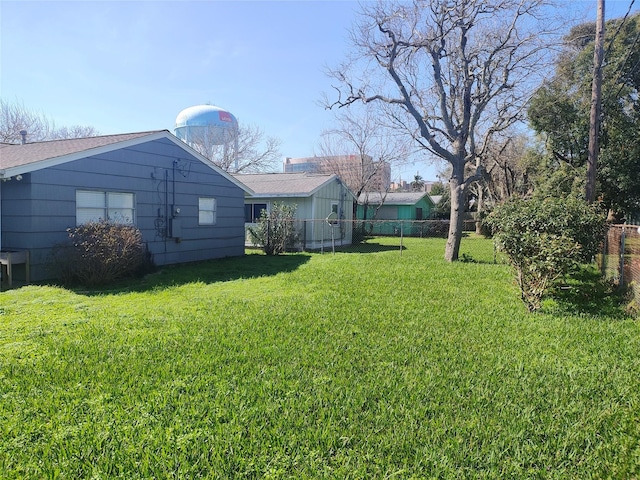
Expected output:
{"points": [[622, 247], [333, 240], [401, 235], [304, 235]]}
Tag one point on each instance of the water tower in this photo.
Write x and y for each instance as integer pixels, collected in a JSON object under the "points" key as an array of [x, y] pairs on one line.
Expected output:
{"points": [[207, 128]]}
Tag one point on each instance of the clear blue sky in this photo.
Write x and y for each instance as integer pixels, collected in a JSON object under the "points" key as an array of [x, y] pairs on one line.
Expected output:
{"points": [[127, 66]]}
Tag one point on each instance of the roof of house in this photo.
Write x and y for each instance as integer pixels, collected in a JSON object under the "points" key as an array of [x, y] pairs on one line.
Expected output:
{"points": [[299, 184], [15, 155], [17, 159], [393, 198]]}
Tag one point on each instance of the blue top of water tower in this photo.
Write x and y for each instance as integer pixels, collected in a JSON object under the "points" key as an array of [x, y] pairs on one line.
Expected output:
{"points": [[205, 116]]}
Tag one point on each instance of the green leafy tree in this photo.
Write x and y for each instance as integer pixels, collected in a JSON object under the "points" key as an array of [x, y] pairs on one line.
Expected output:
{"points": [[417, 185], [559, 111], [545, 240], [438, 188], [276, 231]]}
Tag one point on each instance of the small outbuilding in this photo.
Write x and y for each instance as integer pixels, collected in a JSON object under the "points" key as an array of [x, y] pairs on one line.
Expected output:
{"points": [[395, 206], [186, 208], [404, 207], [324, 204]]}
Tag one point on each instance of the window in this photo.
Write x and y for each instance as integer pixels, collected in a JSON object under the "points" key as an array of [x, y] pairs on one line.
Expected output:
{"points": [[253, 211], [94, 205], [418, 213], [207, 210], [387, 212], [333, 216]]}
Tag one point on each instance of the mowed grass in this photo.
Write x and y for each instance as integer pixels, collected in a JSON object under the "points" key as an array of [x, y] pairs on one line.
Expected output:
{"points": [[363, 364]]}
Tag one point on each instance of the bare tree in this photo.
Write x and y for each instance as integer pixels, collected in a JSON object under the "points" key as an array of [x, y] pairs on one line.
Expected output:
{"points": [[374, 150], [74, 131], [505, 170], [245, 150], [15, 117], [453, 72], [505, 173]]}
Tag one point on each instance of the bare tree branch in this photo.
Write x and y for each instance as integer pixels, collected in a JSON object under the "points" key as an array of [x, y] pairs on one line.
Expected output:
{"points": [[244, 151], [15, 117], [462, 70]]}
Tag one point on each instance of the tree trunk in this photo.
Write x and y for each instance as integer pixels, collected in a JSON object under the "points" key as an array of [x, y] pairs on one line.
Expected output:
{"points": [[456, 185], [594, 118]]}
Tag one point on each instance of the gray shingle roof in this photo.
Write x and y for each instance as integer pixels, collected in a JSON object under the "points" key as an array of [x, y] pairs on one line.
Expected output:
{"points": [[30, 153], [392, 198], [21, 158], [284, 184]]}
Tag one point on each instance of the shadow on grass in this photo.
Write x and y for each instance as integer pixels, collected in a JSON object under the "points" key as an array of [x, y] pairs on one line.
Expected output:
{"points": [[369, 247], [586, 292], [208, 271]]}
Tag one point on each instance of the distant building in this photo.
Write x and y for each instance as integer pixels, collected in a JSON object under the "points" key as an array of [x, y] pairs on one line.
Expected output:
{"points": [[359, 172], [404, 186], [400, 186]]}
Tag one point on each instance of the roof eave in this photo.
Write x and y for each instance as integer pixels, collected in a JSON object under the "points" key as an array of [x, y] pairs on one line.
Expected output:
{"points": [[208, 162], [280, 195], [161, 134], [70, 157]]}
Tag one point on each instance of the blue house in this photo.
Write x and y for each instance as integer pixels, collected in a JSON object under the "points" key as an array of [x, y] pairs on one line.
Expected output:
{"points": [[186, 208]]}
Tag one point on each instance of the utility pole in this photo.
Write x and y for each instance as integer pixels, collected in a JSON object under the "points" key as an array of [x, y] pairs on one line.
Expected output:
{"points": [[594, 118]]}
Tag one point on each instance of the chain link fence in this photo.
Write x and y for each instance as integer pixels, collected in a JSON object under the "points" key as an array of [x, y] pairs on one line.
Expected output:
{"points": [[620, 259], [327, 236]]}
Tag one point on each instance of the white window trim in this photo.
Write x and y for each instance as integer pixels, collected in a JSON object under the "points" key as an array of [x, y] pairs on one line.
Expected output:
{"points": [[211, 213]]}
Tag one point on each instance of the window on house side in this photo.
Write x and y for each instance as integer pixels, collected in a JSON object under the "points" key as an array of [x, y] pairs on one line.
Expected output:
{"points": [[334, 216], [207, 211], [93, 205], [253, 211]]}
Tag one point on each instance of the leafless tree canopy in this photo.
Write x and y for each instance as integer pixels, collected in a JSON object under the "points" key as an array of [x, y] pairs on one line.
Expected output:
{"points": [[378, 147], [15, 117], [455, 71], [506, 169], [250, 152]]}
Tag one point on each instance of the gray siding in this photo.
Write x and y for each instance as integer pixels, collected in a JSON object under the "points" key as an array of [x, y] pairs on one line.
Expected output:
{"points": [[37, 211]]}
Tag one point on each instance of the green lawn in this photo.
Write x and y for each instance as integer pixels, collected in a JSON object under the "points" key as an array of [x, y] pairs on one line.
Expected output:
{"points": [[363, 365]]}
